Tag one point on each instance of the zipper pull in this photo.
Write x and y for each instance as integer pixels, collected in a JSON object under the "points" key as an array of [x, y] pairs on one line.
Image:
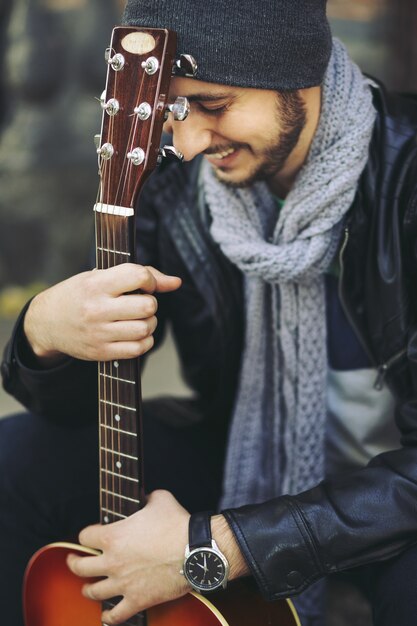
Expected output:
{"points": [[380, 379]]}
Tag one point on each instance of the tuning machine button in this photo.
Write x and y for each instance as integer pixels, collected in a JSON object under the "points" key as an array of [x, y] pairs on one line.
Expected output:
{"points": [[112, 107], [151, 65], [143, 111], [117, 62], [136, 156], [186, 65], [171, 153], [105, 151], [179, 109]]}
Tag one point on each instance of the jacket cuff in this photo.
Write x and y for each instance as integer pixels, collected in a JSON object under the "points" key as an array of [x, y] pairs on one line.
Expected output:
{"points": [[275, 543], [41, 390]]}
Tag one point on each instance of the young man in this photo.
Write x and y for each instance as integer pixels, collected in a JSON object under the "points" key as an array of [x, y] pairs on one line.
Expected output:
{"points": [[285, 255]]}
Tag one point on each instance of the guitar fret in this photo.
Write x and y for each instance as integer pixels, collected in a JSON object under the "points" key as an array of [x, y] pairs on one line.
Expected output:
{"points": [[114, 251], [103, 508], [119, 495], [127, 456], [119, 430], [119, 475], [116, 404], [122, 380]]}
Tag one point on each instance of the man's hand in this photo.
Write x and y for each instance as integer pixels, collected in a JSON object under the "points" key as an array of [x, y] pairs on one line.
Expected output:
{"points": [[141, 558], [94, 316]]}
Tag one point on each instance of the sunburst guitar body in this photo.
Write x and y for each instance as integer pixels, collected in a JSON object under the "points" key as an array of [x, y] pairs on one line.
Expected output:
{"points": [[53, 597], [135, 103]]}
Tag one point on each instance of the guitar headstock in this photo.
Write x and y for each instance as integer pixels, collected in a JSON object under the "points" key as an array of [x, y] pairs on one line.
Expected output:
{"points": [[135, 102]]}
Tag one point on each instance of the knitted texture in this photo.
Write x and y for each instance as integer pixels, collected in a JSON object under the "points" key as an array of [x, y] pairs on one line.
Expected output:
{"points": [[276, 440], [269, 45]]}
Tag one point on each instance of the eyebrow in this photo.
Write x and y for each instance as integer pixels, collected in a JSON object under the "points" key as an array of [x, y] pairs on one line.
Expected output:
{"points": [[207, 97]]}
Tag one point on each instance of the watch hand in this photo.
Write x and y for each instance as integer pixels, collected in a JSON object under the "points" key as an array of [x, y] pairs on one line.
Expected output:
{"points": [[202, 566], [205, 563]]}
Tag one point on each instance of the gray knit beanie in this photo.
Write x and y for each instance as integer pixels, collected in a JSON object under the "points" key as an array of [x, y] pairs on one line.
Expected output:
{"points": [[267, 44]]}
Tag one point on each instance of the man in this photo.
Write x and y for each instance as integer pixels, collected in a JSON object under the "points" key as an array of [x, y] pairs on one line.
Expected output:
{"points": [[291, 227]]}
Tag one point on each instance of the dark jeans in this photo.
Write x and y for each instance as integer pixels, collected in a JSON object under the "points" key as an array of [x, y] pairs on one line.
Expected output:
{"points": [[49, 491]]}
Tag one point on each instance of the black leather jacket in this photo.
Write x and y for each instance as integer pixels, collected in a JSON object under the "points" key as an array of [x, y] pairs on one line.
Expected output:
{"points": [[357, 518]]}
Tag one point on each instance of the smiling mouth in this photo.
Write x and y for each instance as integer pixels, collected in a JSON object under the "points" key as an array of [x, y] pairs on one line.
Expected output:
{"points": [[221, 155]]}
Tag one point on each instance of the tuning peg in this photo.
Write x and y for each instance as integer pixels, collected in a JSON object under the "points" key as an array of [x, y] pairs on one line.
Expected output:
{"points": [[179, 109], [171, 153], [186, 65]]}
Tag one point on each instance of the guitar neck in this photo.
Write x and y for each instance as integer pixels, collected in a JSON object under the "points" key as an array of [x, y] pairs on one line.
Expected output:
{"points": [[121, 467]]}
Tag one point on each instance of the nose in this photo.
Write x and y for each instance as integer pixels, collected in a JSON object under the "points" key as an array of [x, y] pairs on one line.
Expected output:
{"points": [[192, 136]]}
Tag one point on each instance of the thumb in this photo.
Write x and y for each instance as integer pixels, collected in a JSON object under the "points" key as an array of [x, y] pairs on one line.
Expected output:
{"points": [[164, 282]]}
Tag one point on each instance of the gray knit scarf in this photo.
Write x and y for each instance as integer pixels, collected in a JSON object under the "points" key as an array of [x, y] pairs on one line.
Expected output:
{"points": [[276, 439]]}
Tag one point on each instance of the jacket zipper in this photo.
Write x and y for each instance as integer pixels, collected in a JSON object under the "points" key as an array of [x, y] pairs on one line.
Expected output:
{"points": [[383, 368]]}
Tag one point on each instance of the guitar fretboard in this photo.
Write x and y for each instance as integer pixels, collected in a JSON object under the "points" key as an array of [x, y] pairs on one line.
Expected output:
{"points": [[121, 488], [121, 469]]}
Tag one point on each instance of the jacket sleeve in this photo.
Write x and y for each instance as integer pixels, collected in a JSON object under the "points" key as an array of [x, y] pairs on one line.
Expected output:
{"points": [[364, 516], [66, 393]]}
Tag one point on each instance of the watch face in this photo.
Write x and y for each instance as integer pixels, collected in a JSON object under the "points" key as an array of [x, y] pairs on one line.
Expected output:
{"points": [[205, 569]]}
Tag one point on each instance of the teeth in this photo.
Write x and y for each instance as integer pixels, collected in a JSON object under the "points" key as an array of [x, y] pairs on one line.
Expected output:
{"points": [[222, 155]]}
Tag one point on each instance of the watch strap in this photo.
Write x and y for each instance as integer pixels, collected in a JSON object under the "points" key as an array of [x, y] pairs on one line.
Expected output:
{"points": [[199, 530]]}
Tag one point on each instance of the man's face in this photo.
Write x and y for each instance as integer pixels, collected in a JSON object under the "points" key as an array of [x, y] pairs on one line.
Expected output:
{"points": [[246, 134]]}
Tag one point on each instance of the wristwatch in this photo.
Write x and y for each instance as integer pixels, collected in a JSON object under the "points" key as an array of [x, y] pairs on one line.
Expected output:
{"points": [[205, 567]]}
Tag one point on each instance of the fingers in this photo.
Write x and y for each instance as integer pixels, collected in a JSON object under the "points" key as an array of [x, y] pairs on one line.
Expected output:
{"points": [[133, 330], [125, 349], [132, 307], [86, 566], [119, 613], [130, 277], [93, 536]]}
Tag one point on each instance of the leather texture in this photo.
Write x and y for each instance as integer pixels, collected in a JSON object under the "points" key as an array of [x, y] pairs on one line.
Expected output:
{"points": [[199, 530], [348, 520]]}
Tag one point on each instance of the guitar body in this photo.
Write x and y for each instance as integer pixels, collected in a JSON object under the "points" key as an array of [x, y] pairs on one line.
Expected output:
{"points": [[52, 597]]}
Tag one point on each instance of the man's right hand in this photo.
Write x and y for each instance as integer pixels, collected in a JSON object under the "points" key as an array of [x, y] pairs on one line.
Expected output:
{"points": [[94, 316]]}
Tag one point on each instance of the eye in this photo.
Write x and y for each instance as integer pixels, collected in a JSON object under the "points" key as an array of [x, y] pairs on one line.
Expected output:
{"points": [[213, 109]]}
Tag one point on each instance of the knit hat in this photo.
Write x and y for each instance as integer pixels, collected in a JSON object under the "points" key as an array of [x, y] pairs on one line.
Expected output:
{"points": [[267, 44]]}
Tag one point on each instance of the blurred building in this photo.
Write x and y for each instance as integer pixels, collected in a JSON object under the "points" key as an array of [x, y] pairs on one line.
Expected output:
{"points": [[53, 69], [381, 36]]}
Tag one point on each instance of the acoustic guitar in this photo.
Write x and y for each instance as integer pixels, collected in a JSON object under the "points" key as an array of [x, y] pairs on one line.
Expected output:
{"points": [[135, 104]]}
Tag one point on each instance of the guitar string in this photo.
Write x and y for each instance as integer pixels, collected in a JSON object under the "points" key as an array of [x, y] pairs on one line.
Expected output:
{"points": [[127, 170], [98, 264], [104, 245], [111, 262], [116, 246], [133, 134]]}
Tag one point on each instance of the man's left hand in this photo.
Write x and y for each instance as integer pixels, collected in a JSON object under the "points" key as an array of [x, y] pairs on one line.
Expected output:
{"points": [[141, 558]]}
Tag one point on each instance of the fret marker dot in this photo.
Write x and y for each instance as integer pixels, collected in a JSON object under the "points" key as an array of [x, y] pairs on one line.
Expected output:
{"points": [[116, 364], [118, 465], [106, 520], [117, 418]]}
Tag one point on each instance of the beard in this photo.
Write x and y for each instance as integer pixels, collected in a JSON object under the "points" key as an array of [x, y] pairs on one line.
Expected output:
{"points": [[291, 117]]}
